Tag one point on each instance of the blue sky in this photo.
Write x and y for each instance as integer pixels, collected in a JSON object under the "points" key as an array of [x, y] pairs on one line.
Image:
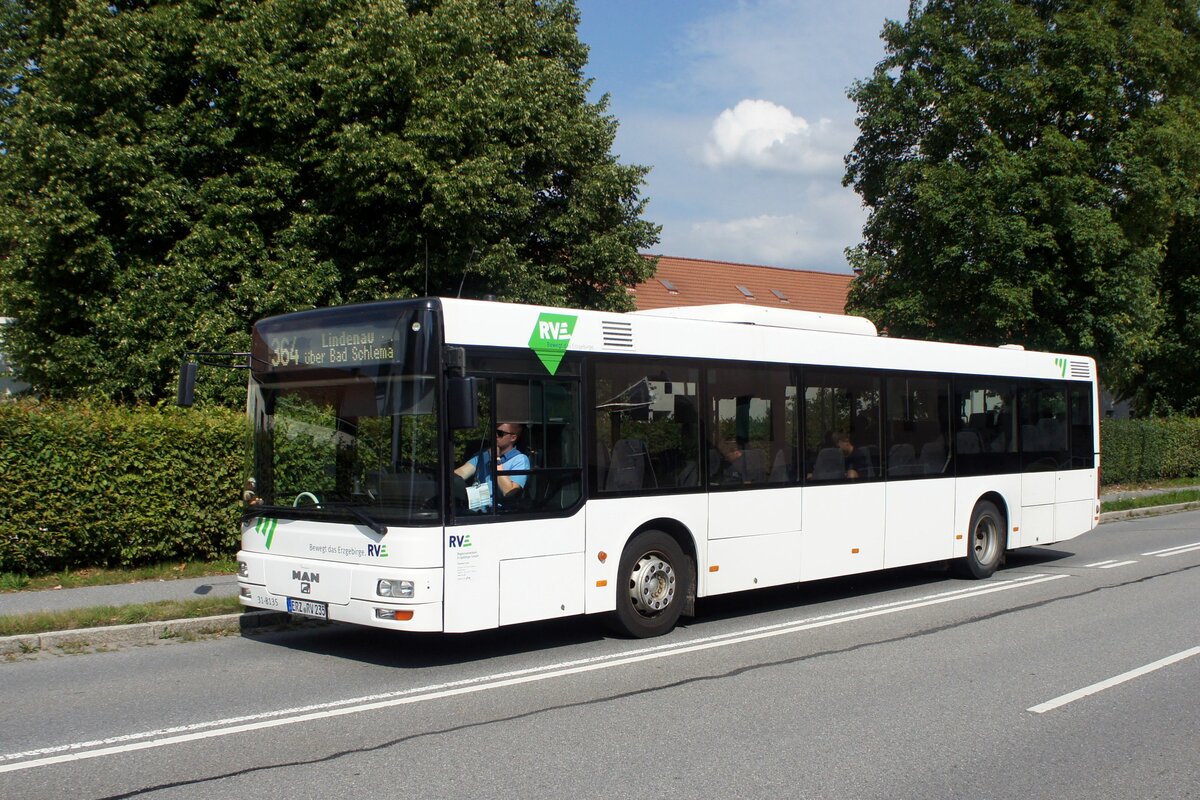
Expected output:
{"points": [[740, 109]]}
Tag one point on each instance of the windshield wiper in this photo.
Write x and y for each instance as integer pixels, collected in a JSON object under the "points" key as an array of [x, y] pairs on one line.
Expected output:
{"points": [[365, 518], [324, 508]]}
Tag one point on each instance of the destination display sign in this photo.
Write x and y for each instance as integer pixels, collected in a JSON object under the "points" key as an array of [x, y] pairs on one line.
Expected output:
{"points": [[330, 345], [397, 335], [335, 348]]}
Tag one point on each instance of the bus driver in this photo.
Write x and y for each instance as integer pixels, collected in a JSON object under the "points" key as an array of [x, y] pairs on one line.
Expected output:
{"points": [[508, 457]]}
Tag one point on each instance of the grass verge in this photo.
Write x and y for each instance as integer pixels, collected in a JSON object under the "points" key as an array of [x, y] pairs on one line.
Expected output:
{"points": [[1173, 483], [99, 616], [1165, 499], [103, 576]]}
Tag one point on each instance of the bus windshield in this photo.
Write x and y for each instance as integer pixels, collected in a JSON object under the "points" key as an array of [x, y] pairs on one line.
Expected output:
{"points": [[345, 416]]}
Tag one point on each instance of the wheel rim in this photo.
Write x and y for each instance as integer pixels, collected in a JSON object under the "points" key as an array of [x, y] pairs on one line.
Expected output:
{"points": [[986, 540], [652, 584]]}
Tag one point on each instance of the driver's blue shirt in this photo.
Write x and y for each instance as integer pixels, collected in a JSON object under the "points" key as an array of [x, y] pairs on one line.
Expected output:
{"points": [[514, 459]]}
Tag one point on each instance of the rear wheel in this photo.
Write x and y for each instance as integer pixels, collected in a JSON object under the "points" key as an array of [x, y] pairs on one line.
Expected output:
{"points": [[985, 547], [654, 583]]}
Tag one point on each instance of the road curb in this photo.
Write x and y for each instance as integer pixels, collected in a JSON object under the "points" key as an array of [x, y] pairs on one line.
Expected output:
{"points": [[108, 637], [1150, 511]]}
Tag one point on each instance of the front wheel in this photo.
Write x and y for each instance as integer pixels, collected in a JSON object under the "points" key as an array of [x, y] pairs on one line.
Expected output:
{"points": [[986, 546], [654, 582]]}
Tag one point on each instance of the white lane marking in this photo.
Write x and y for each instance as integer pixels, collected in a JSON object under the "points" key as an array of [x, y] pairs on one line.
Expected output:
{"points": [[1174, 551], [205, 730], [1050, 705], [1118, 564], [899, 605], [1101, 563]]}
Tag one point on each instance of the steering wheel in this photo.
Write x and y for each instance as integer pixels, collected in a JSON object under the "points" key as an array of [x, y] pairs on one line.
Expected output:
{"points": [[316, 502]]}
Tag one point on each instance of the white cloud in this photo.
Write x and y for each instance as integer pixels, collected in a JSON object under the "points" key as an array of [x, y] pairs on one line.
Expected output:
{"points": [[812, 238], [759, 182], [764, 135]]}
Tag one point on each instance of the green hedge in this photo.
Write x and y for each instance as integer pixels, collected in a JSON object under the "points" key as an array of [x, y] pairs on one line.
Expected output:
{"points": [[97, 485], [1133, 450]]}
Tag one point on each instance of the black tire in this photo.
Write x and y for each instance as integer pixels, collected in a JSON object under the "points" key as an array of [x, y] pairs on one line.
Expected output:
{"points": [[985, 541], [653, 583]]}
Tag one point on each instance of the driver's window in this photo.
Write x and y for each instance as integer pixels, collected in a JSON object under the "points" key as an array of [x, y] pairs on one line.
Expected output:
{"points": [[493, 459], [523, 456]]}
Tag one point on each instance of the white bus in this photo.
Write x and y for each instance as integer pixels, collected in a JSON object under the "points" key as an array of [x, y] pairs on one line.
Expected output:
{"points": [[667, 455]]}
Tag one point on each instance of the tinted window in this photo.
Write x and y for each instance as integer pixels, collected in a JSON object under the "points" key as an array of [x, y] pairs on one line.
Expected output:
{"points": [[1043, 427], [751, 428], [841, 426], [985, 426], [646, 416], [1079, 413], [918, 426]]}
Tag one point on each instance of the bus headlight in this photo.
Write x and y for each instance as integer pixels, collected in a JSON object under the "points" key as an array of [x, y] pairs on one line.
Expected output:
{"points": [[402, 590], [243, 569]]}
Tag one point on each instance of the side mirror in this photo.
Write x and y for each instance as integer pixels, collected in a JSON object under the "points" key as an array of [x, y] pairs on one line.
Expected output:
{"points": [[462, 406], [185, 395]]}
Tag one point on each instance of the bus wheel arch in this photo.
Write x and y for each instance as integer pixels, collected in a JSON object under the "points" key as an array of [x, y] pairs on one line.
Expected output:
{"points": [[987, 537], [656, 580]]}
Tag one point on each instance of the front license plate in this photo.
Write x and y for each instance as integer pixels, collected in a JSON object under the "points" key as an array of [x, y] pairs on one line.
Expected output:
{"points": [[308, 608]]}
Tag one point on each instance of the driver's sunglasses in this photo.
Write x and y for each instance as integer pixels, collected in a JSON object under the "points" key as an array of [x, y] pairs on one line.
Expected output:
{"points": [[504, 433]]}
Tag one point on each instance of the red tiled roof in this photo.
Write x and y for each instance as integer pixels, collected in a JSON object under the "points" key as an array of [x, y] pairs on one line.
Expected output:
{"points": [[698, 282]]}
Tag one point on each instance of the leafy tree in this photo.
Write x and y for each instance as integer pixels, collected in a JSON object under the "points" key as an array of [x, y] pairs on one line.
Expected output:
{"points": [[176, 169], [1171, 381], [1025, 163]]}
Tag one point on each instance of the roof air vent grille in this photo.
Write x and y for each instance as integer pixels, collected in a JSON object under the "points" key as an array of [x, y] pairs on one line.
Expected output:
{"points": [[617, 334]]}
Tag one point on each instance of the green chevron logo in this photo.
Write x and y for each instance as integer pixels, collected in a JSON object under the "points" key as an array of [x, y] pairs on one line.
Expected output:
{"points": [[266, 527], [1061, 363]]}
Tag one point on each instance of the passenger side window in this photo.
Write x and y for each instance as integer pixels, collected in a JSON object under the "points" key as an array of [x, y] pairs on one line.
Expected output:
{"points": [[750, 426], [1079, 412], [842, 433], [918, 426], [1044, 427], [647, 422], [985, 427]]}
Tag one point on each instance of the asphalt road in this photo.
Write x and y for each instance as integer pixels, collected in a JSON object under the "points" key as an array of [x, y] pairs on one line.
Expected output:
{"points": [[1073, 673]]}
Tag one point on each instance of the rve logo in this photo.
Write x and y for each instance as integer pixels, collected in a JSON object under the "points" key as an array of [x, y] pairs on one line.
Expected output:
{"points": [[1061, 363], [550, 338], [379, 550], [460, 541], [554, 330]]}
